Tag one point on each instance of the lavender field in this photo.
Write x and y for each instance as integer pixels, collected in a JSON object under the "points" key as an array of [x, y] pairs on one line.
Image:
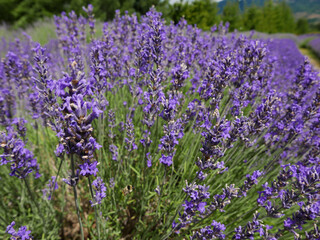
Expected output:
{"points": [[315, 46], [152, 130]]}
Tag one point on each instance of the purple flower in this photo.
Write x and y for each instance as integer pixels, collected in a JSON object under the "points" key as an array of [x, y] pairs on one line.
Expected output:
{"points": [[149, 160], [100, 191], [111, 183], [20, 125], [112, 123], [146, 141], [76, 134], [91, 20], [157, 190], [114, 151], [130, 139], [288, 223], [198, 194], [252, 227], [14, 152], [213, 231], [166, 160], [51, 186], [22, 233], [89, 168], [179, 74], [173, 132], [201, 207]]}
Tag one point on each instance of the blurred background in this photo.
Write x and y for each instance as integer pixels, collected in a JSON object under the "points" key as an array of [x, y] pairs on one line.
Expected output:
{"points": [[269, 16]]}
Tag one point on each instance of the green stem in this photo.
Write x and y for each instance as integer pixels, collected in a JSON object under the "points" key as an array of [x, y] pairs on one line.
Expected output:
{"points": [[95, 208], [75, 197], [161, 189], [4, 221], [33, 200], [55, 180], [176, 213]]}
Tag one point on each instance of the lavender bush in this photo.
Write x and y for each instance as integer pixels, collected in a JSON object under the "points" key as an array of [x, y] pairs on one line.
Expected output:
{"points": [[157, 131], [315, 46]]}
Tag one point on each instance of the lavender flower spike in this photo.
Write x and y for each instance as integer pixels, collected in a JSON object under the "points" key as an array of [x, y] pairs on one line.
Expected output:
{"points": [[214, 231], [100, 191], [52, 185], [21, 234]]}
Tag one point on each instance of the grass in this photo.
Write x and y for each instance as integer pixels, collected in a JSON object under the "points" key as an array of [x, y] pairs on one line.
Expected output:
{"points": [[41, 31]]}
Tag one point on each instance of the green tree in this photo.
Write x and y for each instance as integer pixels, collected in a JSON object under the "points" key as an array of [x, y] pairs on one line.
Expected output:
{"points": [[251, 18], [105, 9], [231, 14], [143, 6], [203, 13], [317, 27], [284, 20], [28, 11], [269, 18], [177, 11], [6, 10], [302, 26], [288, 18], [76, 5]]}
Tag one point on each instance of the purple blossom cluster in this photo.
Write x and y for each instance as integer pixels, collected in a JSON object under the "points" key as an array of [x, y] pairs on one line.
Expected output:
{"points": [[22, 233], [214, 231], [22, 161], [51, 186], [130, 139], [100, 191], [196, 209], [71, 119], [255, 226], [173, 132]]}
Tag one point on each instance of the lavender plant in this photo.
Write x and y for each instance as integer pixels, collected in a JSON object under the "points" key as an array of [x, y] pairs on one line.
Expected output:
{"points": [[314, 45], [158, 131]]}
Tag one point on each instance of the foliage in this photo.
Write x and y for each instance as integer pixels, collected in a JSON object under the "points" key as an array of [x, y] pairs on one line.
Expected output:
{"points": [[28, 11], [231, 14], [271, 18], [6, 7], [302, 26], [252, 18], [202, 13], [23, 12]]}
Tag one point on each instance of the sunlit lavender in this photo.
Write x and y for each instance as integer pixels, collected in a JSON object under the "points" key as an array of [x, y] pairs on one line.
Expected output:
{"points": [[157, 131]]}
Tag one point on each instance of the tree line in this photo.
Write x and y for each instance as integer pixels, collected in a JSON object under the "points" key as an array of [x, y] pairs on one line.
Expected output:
{"points": [[271, 17]]}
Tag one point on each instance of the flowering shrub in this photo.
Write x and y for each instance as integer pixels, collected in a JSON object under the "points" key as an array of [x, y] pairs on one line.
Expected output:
{"points": [[157, 131], [315, 46]]}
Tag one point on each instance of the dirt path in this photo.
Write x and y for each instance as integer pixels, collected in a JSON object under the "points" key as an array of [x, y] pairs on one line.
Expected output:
{"points": [[312, 58]]}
